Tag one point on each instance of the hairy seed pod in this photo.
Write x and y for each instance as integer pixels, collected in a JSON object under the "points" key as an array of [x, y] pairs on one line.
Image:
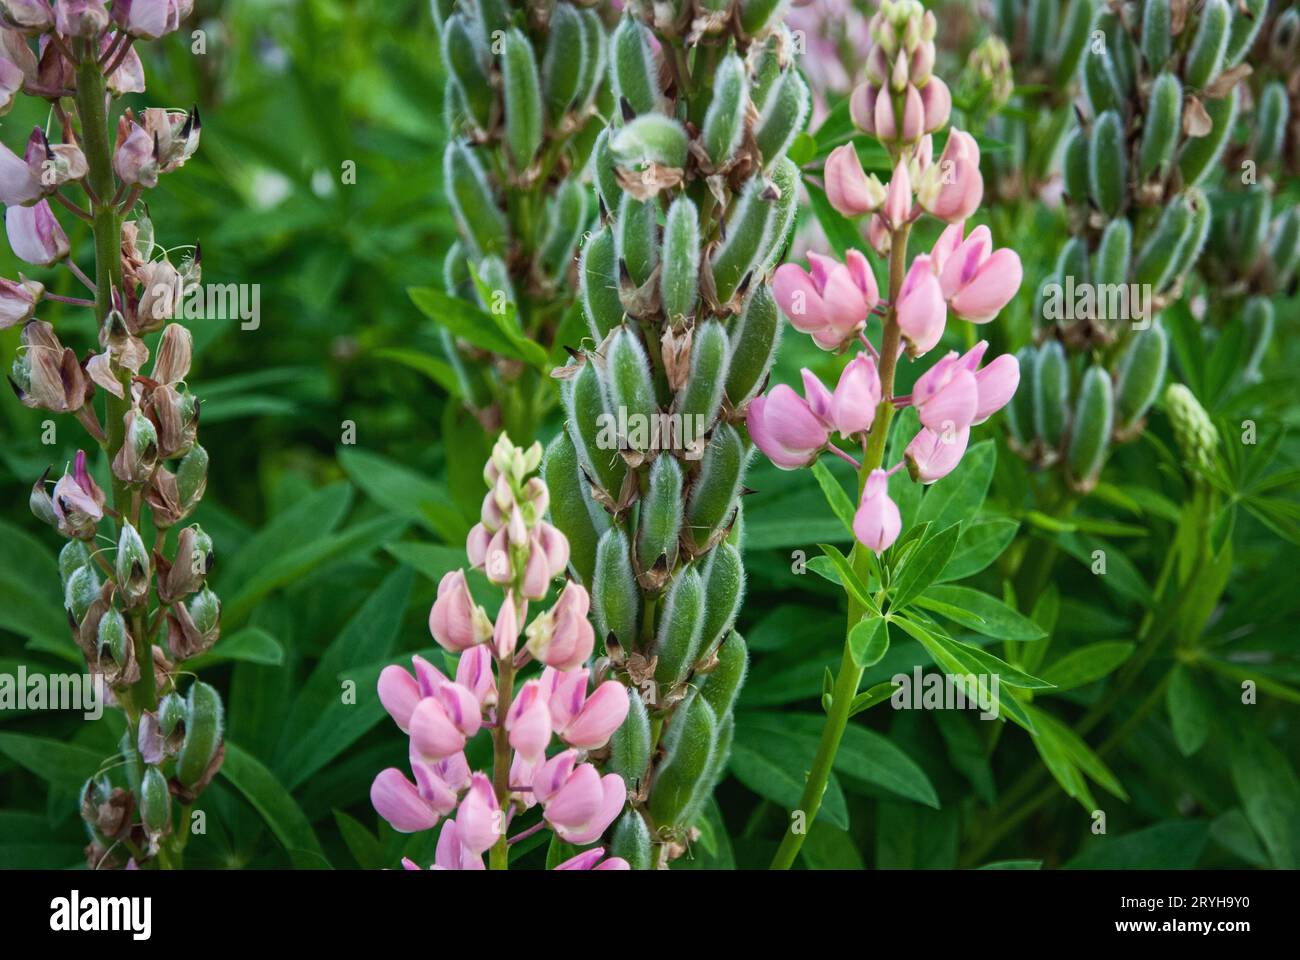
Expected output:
{"points": [[465, 55], [1155, 261], [598, 283], [1198, 156], [724, 586], [1107, 166], [1246, 22], [1157, 33], [482, 225], [724, 121], [768, 62], [717, 765], [1020, 411], [568, 220], [629, 747], [155, 802], [1101, 86], [494, 288], [1114, 251], [634, 68], [603, 174], [1257, 317], [701, 397], [716, 487], [493, 18], [1205, 58], [171, 713], [688, 747], [757, 17], [1074, 165], [132, 567], [650, 138], [74, 555], [1051, 394], [593, 56], [203, 729], [754, 337], [679, 282], [660, 521], [1162, 127], [1124, 53], [1189, 251], [1090, 430], [631, 841], [615, 597], [1271, 122], [721, 686], [1042, 27], [1073, 40], [1139, 375], [637, 236], [1073, 262], [1254, 216], [681, 618], [565, 60], [1284, 252], [112, 636], [574, 512], [783, 118], [746, 240], [455, 272], [628, 385], [522, 92], [589, 428], [786, 178]]}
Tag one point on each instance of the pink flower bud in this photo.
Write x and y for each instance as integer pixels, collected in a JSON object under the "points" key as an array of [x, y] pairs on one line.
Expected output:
{"points": [[398, 801], [886, 127], [474, 673], [932, 454], [577, 802], [399, 693], [80, 18], [853, 405], [34, 235], [913, 115], [582, 721], [877, 522], [563, 637], [946, 396], [997, 383], [848, 188], [452, 853], [878, 235], [832, 302], [936, 100], [920, 309], [529, 722], [862, 107], [150, 19], [453, 621], [476, 545], [536, 581], [977, 281], [898, 198], [785, 428], [505, 632], [479, 820], [951, 189], [496, 561], [592, 860]]}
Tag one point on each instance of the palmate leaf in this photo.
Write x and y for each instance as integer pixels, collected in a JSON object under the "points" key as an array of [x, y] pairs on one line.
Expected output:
{"points": [[923, 566], [1068, 758], [848, 579], [982, 542], [1087, 664], [980, 612]]}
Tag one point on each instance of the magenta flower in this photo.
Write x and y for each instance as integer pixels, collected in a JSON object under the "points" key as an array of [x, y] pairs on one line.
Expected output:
{"points": [[976, 280], [832, 302], [853, 405], [785, 428], [877, 521], [455, 621], [577, 802], [932, 455], [562, 636], [952, 188], [946, 396], [452, 853], [848, 188], [898, 197], [479, 821], [406, 807], [34, 235], [920, 310], [582, 721], [593, 859], [529, 722]]}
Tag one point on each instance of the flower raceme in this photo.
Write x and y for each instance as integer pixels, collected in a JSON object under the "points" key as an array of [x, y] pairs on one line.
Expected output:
{"points": [[441, 715]]}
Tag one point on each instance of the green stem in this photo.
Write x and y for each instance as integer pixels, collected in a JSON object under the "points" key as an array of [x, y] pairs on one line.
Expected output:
{"points": [[499, 856], [850, 674]]}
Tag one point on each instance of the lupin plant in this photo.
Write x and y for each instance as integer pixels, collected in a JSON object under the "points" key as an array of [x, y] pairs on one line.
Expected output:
{"points": [[699, 199], [523, 80], [521, 553], [136, 595], [886, 575]]}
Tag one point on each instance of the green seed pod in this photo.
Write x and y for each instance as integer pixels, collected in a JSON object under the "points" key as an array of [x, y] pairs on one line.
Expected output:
{"points": [[593, 56], [1163, 126], [746, 237], [1020, 411], [1139, 375], [1285, 249], [1110, 265], [1189, 251], [603, 175], [724, 586], [1246, 22], [598, 280], [1073, 261], [112, 636], [1073, 40], [679, 282], [660, 522], [637, 236], [442, 11], [1051, 394], [1205, 58], [482, 225], [1271, 122], [650, 138], [205, 610], [155, 802], [493, 18], [74, 555], [203, 728], [1094, 415], [615, 596], [785, 177], [631, 841], [716, 487], [568, 220], [522, 91], [495, 290], [171, 713], [754, 336], [768, 62], [1155, 262], [1107, 167], [1047, 304], [1193, 429], [1042, 27], [681, 618], [1157, 33], [1006, 14], [1101, 86], [629, 747], [757, 17], [783, 117], [465, 55], [589, 428], [634, 68], [565, 61], [628, 387], [724, 121], [455, 271], [701, 397], [688, 747], [717, 764], [132, 567], [1199, 155], [721, 686], [1254, 217], [572, 508], [1257, 318], [1123, 52], [1074, 166]]}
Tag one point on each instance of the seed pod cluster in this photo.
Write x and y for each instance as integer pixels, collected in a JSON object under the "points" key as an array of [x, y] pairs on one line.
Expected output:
{"points": [[698, 201]]}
